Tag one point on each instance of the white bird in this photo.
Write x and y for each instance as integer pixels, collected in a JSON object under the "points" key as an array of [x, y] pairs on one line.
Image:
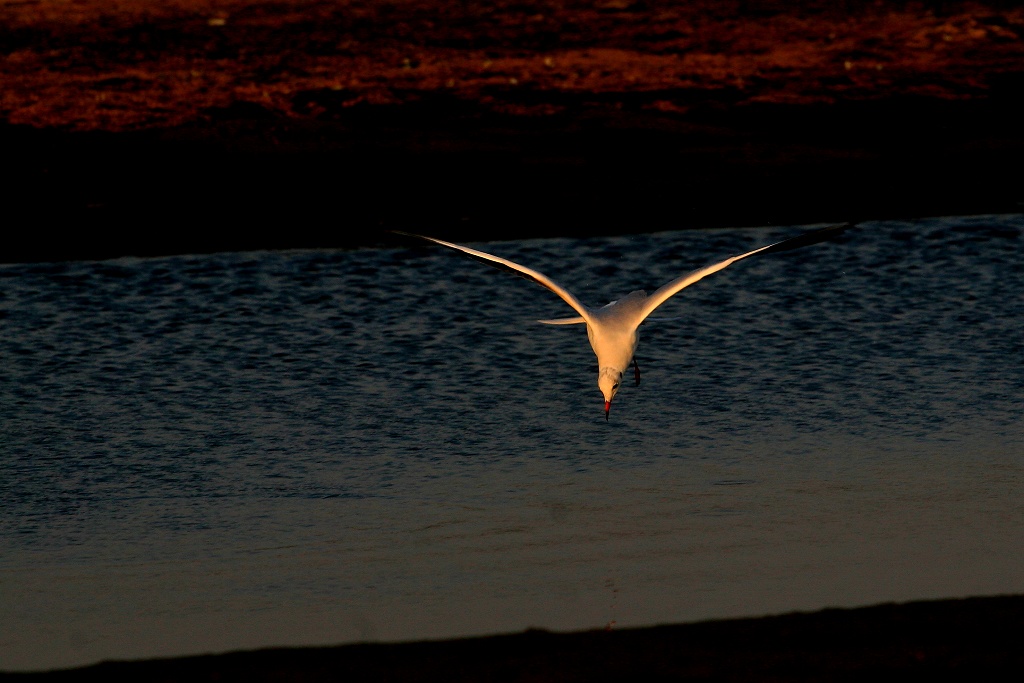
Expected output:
{"points": [[613, 328]]}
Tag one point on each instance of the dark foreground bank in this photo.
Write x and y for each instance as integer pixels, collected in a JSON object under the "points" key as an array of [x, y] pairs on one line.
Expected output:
{"points": [[973, 639]]}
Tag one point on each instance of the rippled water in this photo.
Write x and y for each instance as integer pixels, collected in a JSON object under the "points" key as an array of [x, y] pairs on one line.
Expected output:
{"points": [[204, 453]]}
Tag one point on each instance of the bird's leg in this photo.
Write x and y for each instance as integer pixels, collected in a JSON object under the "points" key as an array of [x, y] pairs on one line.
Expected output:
{"points": [[636, 372]]}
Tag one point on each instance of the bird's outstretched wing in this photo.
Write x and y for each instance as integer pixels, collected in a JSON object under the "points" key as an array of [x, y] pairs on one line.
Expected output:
{"points": [[520, 270], [806, 239]]}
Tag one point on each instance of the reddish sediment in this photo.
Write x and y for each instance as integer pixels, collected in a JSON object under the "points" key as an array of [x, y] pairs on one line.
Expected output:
{"points": [[131, 64]]}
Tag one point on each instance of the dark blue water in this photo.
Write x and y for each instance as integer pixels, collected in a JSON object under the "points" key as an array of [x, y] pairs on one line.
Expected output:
{"points": [[204, 453]]}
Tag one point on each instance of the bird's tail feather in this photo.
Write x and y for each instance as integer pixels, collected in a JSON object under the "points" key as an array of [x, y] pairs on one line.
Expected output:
{"points": [[564, 321]]}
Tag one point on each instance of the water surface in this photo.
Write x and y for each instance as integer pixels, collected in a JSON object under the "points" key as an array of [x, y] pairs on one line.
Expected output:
{"points": [[205, 453]]}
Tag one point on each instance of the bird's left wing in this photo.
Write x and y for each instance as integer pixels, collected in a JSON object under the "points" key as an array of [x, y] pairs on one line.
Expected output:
{"points": [[808, 238], [520, 270]]}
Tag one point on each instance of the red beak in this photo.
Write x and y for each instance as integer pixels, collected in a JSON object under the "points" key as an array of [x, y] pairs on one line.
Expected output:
{"points": [[607, 407]]}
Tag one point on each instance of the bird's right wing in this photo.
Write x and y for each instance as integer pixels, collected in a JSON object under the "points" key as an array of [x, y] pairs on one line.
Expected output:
{"points": [[811, 237], [521, 271]]}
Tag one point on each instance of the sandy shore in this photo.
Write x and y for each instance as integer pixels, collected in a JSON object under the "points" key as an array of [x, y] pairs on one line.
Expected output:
{"points": [[975, 639], [134, 127]]}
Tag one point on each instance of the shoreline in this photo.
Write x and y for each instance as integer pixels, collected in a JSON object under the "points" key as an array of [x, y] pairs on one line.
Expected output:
{"points": [[955, 639]]}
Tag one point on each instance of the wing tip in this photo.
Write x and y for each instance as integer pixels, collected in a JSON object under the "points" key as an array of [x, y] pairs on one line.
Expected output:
{"points": [[810, 237]]}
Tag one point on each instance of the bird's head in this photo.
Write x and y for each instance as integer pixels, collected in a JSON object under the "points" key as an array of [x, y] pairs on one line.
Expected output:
{"points": [[609, 381]]}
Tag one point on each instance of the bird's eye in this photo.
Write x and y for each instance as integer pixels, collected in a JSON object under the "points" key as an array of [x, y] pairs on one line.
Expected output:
{"points": [[615, 386]]}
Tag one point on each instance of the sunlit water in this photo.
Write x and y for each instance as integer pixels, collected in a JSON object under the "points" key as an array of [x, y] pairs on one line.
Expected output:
{"points": [[204, 453]]}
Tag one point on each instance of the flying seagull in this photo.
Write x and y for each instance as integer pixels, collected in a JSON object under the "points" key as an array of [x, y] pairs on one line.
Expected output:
{"points": [[612, 329]]}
